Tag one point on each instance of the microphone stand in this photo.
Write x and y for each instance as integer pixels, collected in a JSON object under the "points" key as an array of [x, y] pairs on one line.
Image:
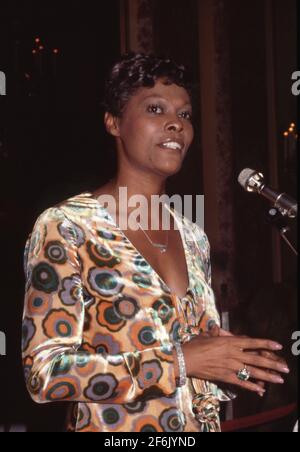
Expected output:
{"points": [[276, 218]]}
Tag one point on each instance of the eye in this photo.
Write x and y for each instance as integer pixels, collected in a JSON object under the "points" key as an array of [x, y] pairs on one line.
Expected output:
{"points": [[186, 115], [155, 108]]}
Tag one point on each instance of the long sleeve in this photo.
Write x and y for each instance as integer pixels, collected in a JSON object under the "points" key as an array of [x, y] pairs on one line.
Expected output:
{"points": [[202, 255], [57, 365]]}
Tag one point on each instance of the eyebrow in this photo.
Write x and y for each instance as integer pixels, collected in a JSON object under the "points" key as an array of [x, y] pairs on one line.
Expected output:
{"points": [[159, 96]]}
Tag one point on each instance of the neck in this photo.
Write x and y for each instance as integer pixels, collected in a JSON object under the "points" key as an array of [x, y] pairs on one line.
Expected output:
{"points": [[143, 184], [136, 184]]}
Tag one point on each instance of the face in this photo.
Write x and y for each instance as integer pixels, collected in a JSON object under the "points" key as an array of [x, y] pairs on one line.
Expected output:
{"points": [[155, 130]]}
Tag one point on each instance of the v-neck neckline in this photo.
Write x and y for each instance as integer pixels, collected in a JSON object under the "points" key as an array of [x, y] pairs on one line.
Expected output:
{"points": [[163, 283]]}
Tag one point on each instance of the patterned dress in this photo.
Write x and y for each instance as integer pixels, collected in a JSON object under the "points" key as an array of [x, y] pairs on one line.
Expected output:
{"points": [[99, 324]]}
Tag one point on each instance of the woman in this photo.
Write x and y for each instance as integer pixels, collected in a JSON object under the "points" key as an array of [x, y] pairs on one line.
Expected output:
{"points": [[125, 324]]}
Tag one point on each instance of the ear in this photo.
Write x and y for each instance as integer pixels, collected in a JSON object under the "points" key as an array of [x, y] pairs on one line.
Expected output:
{"points": [[112, 124]]}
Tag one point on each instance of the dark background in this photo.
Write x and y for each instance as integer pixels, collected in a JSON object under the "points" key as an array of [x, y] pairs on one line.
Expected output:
{"points": [[53, 145]]}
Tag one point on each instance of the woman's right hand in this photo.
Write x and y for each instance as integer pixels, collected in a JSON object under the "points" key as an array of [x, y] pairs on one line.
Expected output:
{"points": [[219, 359]]}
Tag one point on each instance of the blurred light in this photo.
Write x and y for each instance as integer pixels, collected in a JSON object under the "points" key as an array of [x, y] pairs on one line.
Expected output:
{"points": [[286, 134], [55, 51], [37, 40], [41, 47], [33, 51]]}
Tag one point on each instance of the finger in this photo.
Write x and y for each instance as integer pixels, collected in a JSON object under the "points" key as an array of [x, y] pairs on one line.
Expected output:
{"points": [[256, 344], [256, 373], [261, 375], [266, 354], [248, 385], [235, 366], [259, 361], [271, 355], [262, 384]]}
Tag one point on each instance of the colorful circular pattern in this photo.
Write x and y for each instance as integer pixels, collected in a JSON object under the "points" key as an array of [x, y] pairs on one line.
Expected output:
{"points": [[101, 255], [84, 417], [175, 331], [28, 331], [107, 317], [56, 252], [164, 308], [172, 420], [44, 278], [141, 281], [126, 307], [71, 291], [66, 388], [150, 374], [122, 291], [113, 416], [101, 387], [108, 235], [147, 424], [147, 335], [142, 335], [105, 282], [135, 407], [39, 303], [106, 344], [62, 365], [59, 323], [142, 266], [85, 364]]}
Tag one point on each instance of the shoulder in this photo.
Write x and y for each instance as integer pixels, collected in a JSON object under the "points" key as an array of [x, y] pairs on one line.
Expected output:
{"points": [[66, 220], [74, 209]]}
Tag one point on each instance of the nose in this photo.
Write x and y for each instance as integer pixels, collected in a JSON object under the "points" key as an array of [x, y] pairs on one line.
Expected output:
{"points": [[174, 125]]}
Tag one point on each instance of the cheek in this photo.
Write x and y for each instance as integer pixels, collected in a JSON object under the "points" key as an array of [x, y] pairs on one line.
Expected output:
{"points": [[190, 134], [137, 130]]}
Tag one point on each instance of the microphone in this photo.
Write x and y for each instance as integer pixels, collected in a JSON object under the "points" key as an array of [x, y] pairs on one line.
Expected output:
{"points": [[253, 181]]}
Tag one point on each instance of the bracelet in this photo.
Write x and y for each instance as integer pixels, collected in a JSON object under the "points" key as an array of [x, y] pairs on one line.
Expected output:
{"points": [[181, 380]]}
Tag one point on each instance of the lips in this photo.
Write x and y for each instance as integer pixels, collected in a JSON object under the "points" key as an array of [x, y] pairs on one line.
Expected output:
{"points": [[173, 144]]}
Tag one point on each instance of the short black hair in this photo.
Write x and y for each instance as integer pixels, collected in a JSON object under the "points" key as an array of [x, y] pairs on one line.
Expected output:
{"points": [[135, 70]]}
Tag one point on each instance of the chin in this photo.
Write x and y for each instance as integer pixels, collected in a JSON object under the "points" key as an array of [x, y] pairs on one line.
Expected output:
{"points": [[170, 170]]}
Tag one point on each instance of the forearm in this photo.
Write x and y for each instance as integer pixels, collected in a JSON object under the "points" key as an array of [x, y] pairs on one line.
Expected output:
{"points": [[62, 374]]}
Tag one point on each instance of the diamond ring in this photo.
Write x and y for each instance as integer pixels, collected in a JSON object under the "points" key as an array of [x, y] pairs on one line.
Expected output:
{"points": [[243, 374]]}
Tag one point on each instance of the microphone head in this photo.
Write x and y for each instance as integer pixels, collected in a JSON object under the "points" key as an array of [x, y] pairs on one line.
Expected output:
{"points": [[251, 180]]}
